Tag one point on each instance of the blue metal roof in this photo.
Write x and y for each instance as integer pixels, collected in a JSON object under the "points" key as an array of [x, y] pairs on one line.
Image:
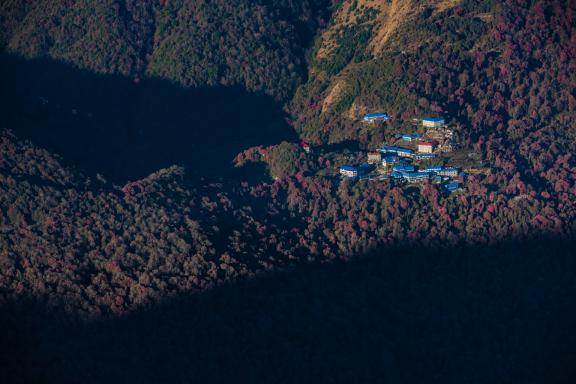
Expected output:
{"points": [[348, 167], [408, 137], [396, 149], [434, 168], [425, 155], [376, 114], [434, 119], [452, 186], [404, 168], [415, 175]]}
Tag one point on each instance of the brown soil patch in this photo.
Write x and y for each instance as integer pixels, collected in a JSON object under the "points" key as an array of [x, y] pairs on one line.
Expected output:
{"points": [[334, 95]]}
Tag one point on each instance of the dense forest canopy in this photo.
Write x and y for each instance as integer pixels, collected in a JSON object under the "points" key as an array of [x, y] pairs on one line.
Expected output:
{"points": [[502, 71], [257, 44]]}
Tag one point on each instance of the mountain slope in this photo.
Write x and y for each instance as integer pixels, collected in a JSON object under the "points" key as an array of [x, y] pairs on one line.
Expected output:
{"points": [[501, 72], [258, 45]]}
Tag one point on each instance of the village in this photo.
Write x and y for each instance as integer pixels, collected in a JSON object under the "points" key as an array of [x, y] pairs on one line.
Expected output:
{"points": [[430, 154]]}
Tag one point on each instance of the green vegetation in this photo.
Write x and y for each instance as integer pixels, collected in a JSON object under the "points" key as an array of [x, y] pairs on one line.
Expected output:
{"points": [[504, 82], [351, 43], [258, 45], [282, 160]]}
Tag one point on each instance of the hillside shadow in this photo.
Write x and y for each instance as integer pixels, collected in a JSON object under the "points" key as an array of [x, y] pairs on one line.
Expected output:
{"points": [[125, 129], [500, 314]]}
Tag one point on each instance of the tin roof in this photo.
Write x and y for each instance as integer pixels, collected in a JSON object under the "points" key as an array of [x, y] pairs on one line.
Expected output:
{"points": [[376, 114], [415, 175], [396, 149], [401, 168]]}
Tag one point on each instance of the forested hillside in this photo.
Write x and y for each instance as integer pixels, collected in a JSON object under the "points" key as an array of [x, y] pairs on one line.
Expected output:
{"points": [[258, 45], [154, 150], [501, 71]]}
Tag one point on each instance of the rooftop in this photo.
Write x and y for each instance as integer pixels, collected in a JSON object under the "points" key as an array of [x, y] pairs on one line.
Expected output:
{"points": [[417, 174], [396, 149], [413, 136], [376, 114], [452, 186], [402, 168]]}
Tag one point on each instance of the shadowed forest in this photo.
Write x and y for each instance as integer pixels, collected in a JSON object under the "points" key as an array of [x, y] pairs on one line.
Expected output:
{"points": [[160, 223], [126, 130], [410, 315]]}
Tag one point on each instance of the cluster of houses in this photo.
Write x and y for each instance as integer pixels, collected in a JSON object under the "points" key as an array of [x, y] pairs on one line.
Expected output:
{"points": [[403, 171], [437, 130], [399, 158], [438, 174]]}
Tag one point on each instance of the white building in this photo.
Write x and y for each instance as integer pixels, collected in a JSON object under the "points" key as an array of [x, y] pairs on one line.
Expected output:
{"points": [[433, 122], [426, 147], [349, 171]]}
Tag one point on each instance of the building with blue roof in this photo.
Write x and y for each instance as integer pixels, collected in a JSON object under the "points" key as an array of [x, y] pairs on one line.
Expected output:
{"points": [[434, 168], [452, 187], [349, 171], [353, 171], [403, 168], [424, 156], [412, 137], [404, 152], [452, 172], [389, 160], [433, 122], [415, 177], [378, 116]]}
